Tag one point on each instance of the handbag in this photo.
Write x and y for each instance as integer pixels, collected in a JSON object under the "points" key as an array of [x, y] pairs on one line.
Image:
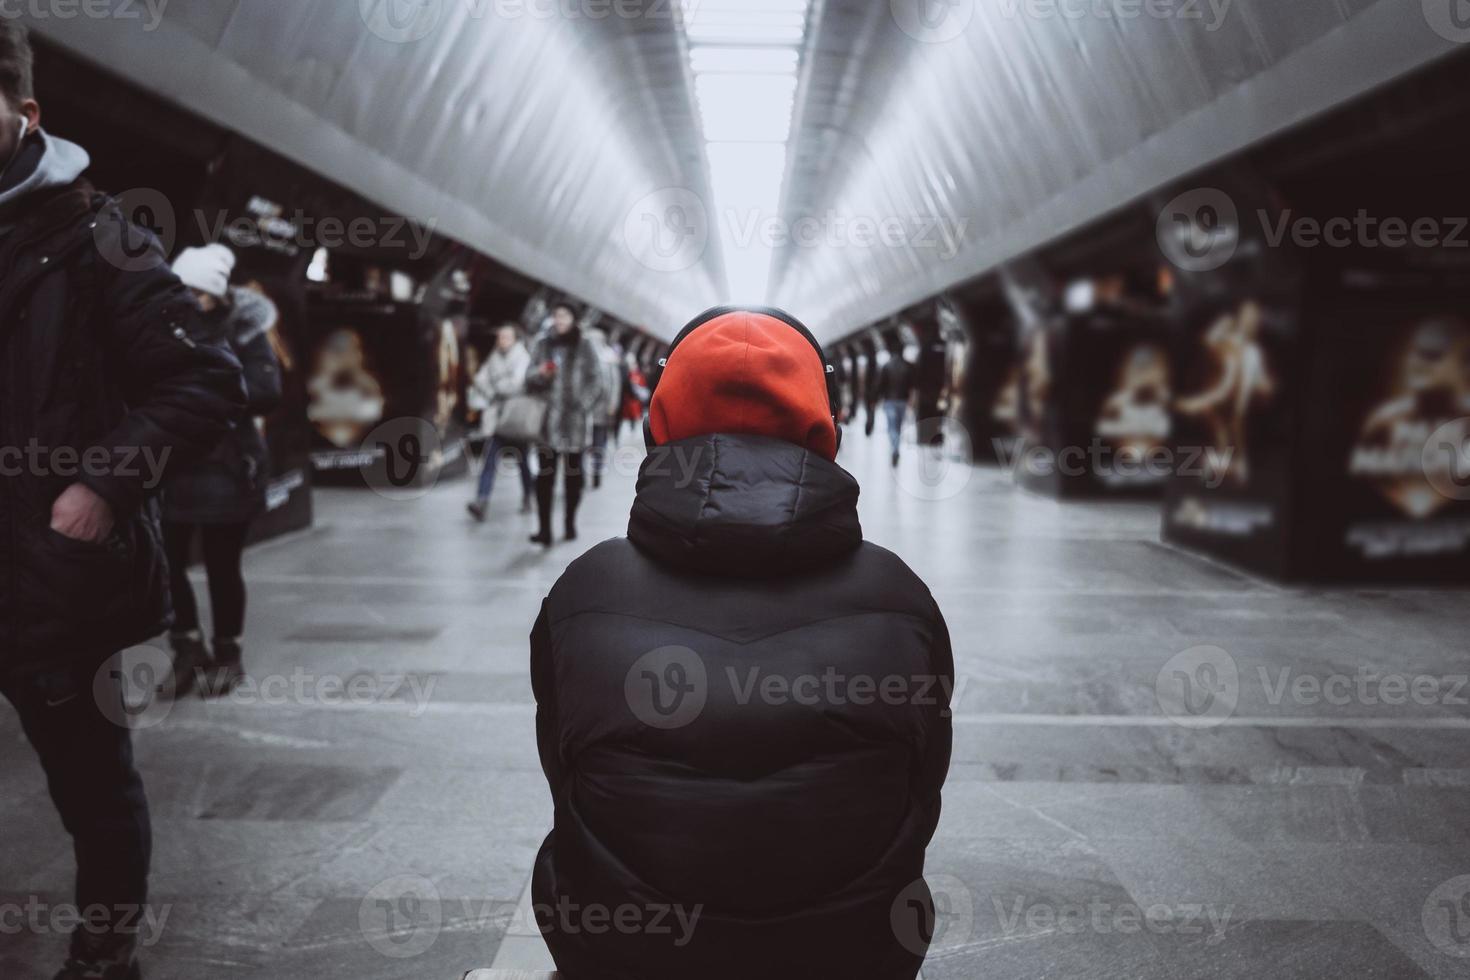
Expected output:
{"points": [[522, 418]]}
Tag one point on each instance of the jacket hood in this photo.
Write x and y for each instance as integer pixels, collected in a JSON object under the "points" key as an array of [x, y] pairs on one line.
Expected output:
{"points": [[43, 163], [757, 372], [744, 505]]}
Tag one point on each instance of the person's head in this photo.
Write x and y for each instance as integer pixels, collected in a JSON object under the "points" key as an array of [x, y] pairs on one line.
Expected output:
{"points": [[506, 336], [206, 271], [1431, 359], [745, 372], [563, 319], [18, 105]]}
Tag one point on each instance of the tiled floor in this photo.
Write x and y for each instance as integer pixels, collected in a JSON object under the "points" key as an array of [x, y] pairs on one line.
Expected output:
{"points": [[1086, 834]]}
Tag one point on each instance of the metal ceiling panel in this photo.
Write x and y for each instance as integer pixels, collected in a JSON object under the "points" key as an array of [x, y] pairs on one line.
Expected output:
{"points": [[553, 142], [528, 135], [1035, 118]]}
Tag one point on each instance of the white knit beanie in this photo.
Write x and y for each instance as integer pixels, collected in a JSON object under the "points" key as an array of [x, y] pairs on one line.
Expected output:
{"points": [[206, 269]]}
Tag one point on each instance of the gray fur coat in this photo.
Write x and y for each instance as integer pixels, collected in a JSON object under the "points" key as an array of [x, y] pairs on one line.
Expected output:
{"points": [[573, 393]]}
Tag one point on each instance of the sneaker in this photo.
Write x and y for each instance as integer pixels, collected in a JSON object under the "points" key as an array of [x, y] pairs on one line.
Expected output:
{"points": [[103, 957], [542, 538], [191, 663], [476, 509], [571, 533], [95, 970], [229, 669]]}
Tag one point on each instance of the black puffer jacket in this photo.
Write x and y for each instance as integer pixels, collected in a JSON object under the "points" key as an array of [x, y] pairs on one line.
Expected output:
{"points": [[228, 486], [743, 715], [102, 356]]}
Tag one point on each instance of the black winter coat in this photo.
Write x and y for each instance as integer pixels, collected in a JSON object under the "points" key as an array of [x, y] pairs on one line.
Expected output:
{"points": [[228, 486], [743, 713], [897, 380], [102, 357]]}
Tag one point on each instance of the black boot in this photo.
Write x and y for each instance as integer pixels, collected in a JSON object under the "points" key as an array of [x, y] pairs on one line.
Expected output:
{"points": [[229, 667], [191, 664], [575, 482], [545, 491], [100, 957]]}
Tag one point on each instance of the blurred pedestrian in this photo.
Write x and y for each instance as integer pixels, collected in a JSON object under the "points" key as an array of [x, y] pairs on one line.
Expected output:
{"points": [[635, 395], [215, 499], [870, 391], [605, 416], [786, 832], [566, 372], [105, 358], [498, 393], [897, 382]]}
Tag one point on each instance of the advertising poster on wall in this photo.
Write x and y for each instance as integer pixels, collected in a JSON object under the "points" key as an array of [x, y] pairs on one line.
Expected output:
{"points": [[1132, 424], [1091, 395], [1238, 387], [373, 362], [1234, 419], [1393, 488]]}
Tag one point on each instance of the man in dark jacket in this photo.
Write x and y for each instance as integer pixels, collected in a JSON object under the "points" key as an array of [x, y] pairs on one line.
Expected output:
{"points": [[897, 382], [104, 380], [743, 709]]}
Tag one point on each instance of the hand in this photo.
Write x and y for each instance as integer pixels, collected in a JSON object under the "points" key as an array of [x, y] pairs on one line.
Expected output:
{"points": [[81, 515]]}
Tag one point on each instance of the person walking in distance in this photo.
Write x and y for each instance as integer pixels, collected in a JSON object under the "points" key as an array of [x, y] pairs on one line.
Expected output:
{"points": [[786, 831], [216, 499], [500, 381], [605, 419], [566, 371], [635, 395], [106, 366], [897, 382]]}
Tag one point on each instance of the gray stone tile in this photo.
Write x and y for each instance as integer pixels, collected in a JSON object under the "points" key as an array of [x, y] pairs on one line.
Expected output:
{"points": [[275, 823], [279, 791]]}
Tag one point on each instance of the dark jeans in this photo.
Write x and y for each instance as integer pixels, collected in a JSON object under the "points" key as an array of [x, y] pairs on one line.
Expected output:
{"points": [[88, 761], [546, 464], [498, 448], [224, 544], [898, 413], [600, 434]]}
